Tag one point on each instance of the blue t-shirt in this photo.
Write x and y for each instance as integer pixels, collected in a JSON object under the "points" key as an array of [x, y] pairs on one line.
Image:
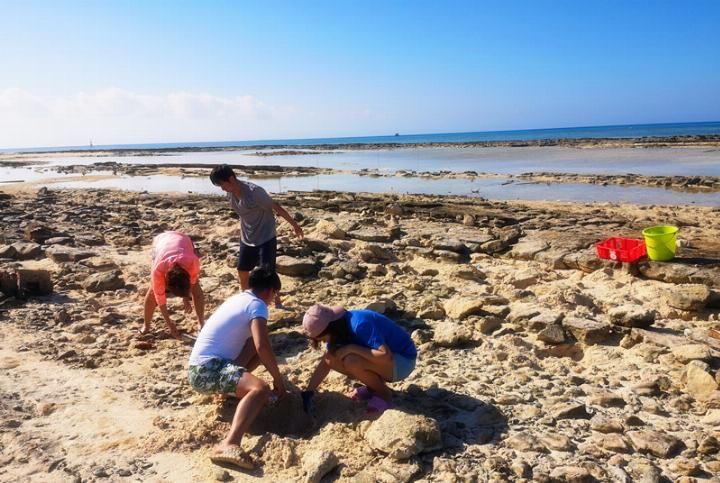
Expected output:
{"points": [[372, 330]]}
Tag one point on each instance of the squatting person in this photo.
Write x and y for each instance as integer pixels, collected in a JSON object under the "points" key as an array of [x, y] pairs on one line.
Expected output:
{"points": [[233, 342], [362, 344]]}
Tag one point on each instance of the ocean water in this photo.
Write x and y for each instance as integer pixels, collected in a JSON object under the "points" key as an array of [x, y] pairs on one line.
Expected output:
{"points": [[619, 131]]}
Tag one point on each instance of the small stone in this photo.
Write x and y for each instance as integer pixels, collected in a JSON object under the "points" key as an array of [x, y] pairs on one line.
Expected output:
{"points": [[552, 334], [450, 334], [100, 472], [525, 442], [632, 316], [557, 442], [459, 308], [604, 424], [691, 352], [318, 463], [488, 325], [62, 254], [295, 267], [644, 471], [26, 250], [569, 411], [606, 399], [612, 442], [685, 467], [689, 297], [586, 330], [709, 445], [655, 443], [698, 382], [574, 474], [402, 435], [222, 475], [104, 281]]}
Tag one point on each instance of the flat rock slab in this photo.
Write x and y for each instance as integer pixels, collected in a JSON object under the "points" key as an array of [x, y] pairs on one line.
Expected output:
{"points": [[295, 267], [692, 352], [632, 316], [402, 436], [61, 254], [587, 331], [104, 281], [26, 250], [689, 297], [371, 235], [655, 443], [527, 249]]}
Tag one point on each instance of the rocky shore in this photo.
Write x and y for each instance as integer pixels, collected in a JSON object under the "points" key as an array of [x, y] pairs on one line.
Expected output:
{"points": [[694, 141], [702, 184], [538, 361]]}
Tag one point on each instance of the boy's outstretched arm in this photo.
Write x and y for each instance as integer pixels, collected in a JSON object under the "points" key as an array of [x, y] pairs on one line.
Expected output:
{"points": [[286, 216]]}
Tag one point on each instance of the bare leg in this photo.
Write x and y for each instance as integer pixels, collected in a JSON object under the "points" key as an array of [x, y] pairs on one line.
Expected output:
{"points": [[149, 308], [244, 277], [371, 372], [198, 298], [253, 394]]}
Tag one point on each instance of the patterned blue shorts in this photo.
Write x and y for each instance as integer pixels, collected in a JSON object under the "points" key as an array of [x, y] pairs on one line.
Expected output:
{"points": [[215, 376]]}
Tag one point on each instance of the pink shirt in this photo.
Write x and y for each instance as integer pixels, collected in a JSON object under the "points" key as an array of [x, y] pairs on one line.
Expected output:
{"points": [[170, 248]]}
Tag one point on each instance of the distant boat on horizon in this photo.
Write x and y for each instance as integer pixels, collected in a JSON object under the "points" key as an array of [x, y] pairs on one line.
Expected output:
{"points": [[397, 134]]}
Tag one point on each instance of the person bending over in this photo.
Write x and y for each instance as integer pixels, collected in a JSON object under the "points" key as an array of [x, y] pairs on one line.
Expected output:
{"points": [[363, 345], [175, 270], [233, 342], [258, 236]]}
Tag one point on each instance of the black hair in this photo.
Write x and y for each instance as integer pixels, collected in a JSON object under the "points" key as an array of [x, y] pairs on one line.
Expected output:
{"points": [[220, 173], [340, 333], [177, 281], [263, 279]]}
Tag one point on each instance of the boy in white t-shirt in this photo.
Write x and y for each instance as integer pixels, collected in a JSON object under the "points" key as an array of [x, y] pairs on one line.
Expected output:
{"points": [[232, 343]]}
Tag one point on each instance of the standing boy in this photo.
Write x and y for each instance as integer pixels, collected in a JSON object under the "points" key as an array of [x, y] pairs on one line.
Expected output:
{"points": [[258, 237], [232, 343]]}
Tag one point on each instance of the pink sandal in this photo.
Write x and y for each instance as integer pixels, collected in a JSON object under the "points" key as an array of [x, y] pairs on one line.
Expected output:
{"points": [[362, 393], [376, 406]]}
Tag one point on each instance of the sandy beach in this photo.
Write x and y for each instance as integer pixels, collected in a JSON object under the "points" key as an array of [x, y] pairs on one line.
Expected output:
{"points": [[538, 361]]}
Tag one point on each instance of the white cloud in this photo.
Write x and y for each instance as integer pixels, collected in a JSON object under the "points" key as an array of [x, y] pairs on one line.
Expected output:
{"points": [[115, 116]]}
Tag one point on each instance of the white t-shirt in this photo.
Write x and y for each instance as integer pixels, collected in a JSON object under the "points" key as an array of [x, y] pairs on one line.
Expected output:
{"points": [[227, 330]]}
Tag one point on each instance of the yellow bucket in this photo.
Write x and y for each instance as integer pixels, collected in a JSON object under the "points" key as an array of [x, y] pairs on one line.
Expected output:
{"points": [[660, 242]]}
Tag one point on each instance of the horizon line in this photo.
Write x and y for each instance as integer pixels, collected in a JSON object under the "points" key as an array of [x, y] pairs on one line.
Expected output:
{"points": [[178, 144]]}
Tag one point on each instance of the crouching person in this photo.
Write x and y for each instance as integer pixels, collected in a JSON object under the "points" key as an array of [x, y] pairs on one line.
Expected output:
{"points": [[363, 345], [175, 270], [232, 343]]}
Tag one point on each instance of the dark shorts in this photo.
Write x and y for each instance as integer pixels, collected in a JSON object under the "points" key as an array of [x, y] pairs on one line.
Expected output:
{"points": [[258, 256]]}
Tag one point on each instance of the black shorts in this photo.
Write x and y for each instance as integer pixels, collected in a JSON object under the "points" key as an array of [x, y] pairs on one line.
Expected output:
{"points": [[263, 255]]}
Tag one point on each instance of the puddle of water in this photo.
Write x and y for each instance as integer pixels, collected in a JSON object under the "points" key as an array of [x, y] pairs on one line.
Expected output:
{"points": [[492, 188]]}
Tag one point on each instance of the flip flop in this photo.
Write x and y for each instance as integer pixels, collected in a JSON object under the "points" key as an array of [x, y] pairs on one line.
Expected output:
{"points": [[376, 406], [235, 456], [362, 393], [142, 335]]}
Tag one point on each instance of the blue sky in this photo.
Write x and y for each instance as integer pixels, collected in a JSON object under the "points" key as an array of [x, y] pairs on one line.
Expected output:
{"points": [[162, 71]]}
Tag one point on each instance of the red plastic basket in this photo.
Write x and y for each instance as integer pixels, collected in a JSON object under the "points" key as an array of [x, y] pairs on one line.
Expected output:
{"points": [[621, 249]]}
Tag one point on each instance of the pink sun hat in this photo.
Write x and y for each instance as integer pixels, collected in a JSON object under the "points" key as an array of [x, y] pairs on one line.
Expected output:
{"points": [[319, 316]]}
